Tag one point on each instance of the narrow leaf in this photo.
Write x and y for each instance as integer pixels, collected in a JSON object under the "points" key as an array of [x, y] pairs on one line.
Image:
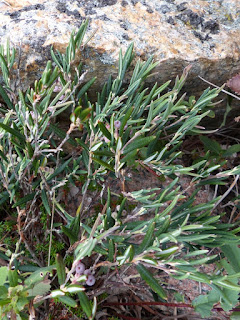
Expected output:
{"points": [[137, 144], [85, 303], [61, 273], [68, 301], [151, 281]]}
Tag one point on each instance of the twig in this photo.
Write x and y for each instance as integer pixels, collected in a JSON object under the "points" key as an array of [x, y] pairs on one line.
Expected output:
{"points": [[227, 192], [146, 307], [97, 221], [32, 253], [229, 93], [176, 317]]}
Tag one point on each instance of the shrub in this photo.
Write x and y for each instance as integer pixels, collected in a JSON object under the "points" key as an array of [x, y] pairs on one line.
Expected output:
{"points": [[156, 231]]}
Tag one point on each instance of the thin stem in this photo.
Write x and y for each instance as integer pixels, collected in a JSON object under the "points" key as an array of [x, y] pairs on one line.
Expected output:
{"points": [[88, 179], [230, 94], [51, 229], [227, 192]]}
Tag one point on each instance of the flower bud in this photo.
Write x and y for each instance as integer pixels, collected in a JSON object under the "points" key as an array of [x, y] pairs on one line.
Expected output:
{"points": [[87, 272], [90, 280], [80, 268], [117, 124]]}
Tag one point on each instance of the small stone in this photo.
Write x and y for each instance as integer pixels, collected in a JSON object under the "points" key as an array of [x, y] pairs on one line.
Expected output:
{"points": [[211, 25], [73, 191], [171, 20], [124, 3], [182, 6], [164, 9], [150, 10]]}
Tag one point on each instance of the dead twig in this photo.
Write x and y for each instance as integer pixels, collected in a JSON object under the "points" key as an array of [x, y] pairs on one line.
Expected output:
{"points": [[227, 192], [225, 91]]}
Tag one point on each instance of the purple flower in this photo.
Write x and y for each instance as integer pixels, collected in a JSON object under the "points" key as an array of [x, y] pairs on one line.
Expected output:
{"points": [[90, 280], [57, 88], [117, 124], [80, 268]]}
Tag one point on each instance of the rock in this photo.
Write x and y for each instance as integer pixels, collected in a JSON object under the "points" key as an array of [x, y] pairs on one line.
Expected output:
{"points": [[205, 33]]}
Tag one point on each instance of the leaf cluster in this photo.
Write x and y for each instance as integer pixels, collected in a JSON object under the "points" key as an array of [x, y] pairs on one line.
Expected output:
{"points": [[158, 231]]}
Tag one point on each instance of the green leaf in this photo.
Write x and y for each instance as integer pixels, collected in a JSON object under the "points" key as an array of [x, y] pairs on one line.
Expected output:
{"points": [[5, 70], [235, 315], [122, 205], [38, 275], [40, 289], [103, 163], [2, 155], [231, 150], [148, 239], [86, 87], [104, 130], [232, 253], [110, 250], [80, 34], [132, 88], [83, 114], [4, 302], [61, 273], [204, 303], [124, 120], [85, 303], [3, 292], [68, 301], [227, 284], [24, 200], [137, 144], [57, 293], [13, 278], [85, 248], [96, 146], [59, 170], [74, 288], [3, 275], [5, 97], [13, 132], [55, 59], [64, 106], [75, 225], [195, 237], [45, 201], [151, 281], [68, 232], [58, 96], [211, 145], [128, 255]]}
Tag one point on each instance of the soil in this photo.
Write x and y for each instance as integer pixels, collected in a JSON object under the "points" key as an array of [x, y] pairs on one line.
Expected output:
{"points": [[127, 287]]}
